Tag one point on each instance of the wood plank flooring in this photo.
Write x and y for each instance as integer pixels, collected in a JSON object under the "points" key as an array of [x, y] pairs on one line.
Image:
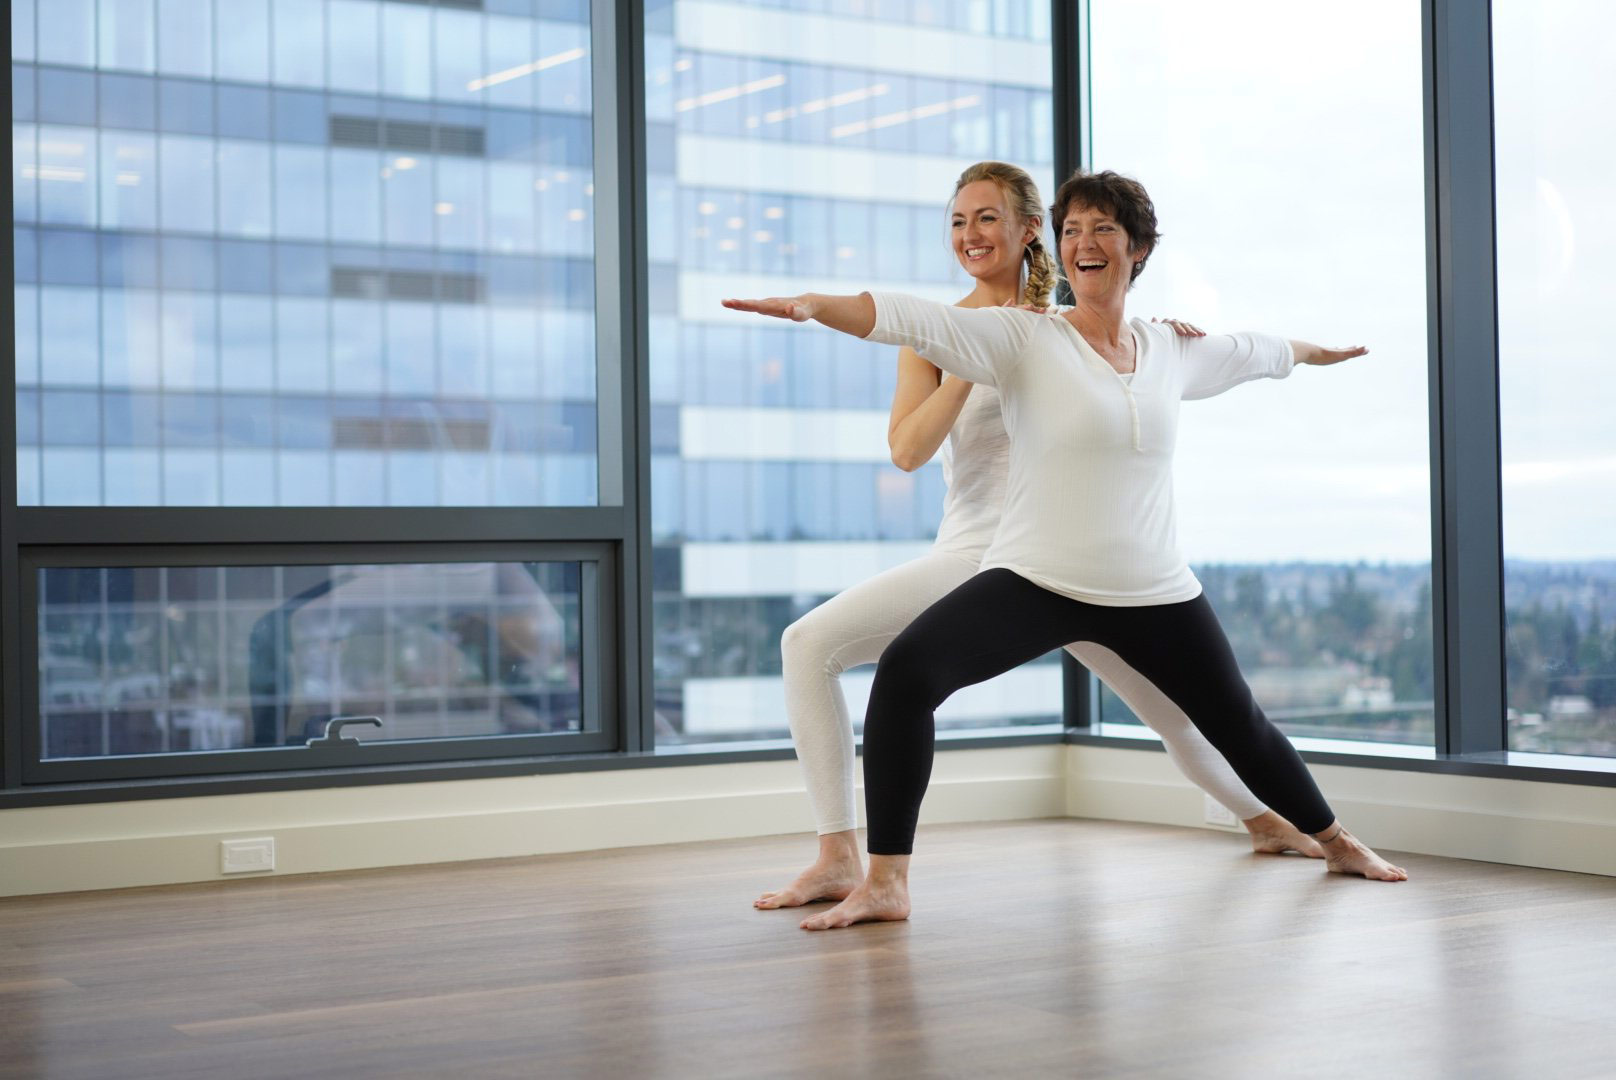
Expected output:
{"points": [[1046, 948]]}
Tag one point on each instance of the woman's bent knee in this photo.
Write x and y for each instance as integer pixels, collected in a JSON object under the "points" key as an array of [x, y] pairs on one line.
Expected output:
{"points": [[909, 673], [809, 645]]}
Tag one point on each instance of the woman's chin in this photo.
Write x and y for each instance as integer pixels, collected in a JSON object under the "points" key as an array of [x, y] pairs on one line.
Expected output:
{"points": [[1084, 288], [982, 272]]}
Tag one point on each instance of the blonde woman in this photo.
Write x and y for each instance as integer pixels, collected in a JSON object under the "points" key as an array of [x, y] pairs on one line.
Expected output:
{"points": [[995, 230]]}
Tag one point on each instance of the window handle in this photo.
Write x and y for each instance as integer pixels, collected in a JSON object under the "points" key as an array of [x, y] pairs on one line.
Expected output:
{"points": [[333, 731]]}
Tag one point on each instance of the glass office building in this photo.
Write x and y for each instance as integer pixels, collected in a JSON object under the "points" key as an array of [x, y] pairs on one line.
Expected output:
{"points": [[796, 147], [303, 253]]}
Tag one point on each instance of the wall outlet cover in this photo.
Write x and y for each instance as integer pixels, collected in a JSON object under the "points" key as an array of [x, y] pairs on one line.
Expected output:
{"points": [[253, 855]]}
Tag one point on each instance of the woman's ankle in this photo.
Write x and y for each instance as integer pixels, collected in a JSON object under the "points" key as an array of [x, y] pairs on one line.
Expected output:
{"points": [[889, 870], [839, 847]]}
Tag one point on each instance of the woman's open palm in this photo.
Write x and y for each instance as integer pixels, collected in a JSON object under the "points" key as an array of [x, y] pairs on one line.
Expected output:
{"points": [[780, 307], [1335, 356]]}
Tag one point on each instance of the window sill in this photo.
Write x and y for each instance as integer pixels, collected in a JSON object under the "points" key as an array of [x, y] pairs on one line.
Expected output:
{"points": [[1543, 768]]}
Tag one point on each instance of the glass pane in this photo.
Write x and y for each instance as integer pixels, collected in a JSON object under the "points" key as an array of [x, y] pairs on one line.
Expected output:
{"points": [[1556, 236], [366, 213], [1304, 505], [152, 660], [772, 488]]}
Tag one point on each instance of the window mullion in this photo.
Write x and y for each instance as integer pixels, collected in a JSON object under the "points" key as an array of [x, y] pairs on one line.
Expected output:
{"points": [[1467, 571]]}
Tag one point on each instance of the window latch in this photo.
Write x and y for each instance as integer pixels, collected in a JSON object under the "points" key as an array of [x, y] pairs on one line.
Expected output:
{"points": [[333, 731]]}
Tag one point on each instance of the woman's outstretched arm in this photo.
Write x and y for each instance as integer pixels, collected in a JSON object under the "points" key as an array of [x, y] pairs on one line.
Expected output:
{"points": [[1308, 353], [1222, 361], [850, 314], [979, 345]]}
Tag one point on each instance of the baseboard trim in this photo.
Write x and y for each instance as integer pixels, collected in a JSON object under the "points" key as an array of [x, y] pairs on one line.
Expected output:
{"points": [[1518, 822], [80, 848], [164, 842]]}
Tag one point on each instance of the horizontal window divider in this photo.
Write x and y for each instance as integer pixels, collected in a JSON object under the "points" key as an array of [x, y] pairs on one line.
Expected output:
{"points": [[69, 793], [65, 793], [51, 526]]}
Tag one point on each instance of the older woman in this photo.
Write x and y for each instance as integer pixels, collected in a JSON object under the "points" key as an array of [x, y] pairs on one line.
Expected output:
{"points": [[1086, 546], [995, 227]]}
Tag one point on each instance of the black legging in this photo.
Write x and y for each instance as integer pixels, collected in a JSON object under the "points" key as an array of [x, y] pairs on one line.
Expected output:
{"points": [[998, 620]]}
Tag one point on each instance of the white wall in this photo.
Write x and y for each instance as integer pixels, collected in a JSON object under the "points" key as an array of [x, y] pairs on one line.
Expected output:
{"points": [[116, 845]]}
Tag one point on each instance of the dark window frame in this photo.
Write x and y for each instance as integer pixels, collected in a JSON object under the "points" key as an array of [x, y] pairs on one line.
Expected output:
{"points": [[1466, 550], [605, 538]]}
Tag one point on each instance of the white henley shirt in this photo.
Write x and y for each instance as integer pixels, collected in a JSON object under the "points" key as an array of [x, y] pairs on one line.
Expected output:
{"points": [[1088, 510]]}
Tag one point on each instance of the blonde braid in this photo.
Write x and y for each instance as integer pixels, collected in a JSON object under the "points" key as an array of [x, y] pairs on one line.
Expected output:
{"points": [[1042, 273]]}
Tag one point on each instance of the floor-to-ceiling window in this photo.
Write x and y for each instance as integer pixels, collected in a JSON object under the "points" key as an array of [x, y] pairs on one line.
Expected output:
{"points": [[794, 147], [1556, 235], [297, 254], [1283, 147]]}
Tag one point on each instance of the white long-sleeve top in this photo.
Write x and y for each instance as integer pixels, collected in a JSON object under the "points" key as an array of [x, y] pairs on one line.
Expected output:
{"points": [[1088, 508]]}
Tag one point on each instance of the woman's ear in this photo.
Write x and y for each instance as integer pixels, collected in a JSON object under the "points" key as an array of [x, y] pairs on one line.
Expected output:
{"points": [[1035, 226]]}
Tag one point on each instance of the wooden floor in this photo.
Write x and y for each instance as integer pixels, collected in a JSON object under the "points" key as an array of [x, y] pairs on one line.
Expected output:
{"points": [[1049, 948]]}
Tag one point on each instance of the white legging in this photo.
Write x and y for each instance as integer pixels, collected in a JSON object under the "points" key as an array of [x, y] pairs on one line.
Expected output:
{"points": [[855, 627]]}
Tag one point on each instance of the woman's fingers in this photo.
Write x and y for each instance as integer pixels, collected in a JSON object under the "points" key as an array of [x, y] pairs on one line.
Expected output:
{"points": [[1180, 327], [780, 307]]}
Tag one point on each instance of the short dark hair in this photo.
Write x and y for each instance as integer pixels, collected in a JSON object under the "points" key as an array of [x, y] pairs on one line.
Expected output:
{"points": [[1122, 197]]}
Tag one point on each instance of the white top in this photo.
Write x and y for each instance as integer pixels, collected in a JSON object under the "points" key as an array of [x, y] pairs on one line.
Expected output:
{"points": [[976, 461], [1088, 510]]}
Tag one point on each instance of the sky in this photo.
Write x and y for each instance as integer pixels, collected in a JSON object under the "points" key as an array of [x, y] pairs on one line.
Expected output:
{"points": [[1282, 144]]}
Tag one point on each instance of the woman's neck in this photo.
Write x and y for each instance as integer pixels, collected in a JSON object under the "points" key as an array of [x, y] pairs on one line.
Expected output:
{"points": [[994, 292], [1100, 320]]}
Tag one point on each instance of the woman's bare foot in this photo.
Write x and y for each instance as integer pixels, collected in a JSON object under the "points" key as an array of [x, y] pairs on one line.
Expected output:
{"points": [[1344, 854], [836, 872], [883, 896], [1273, 835]]}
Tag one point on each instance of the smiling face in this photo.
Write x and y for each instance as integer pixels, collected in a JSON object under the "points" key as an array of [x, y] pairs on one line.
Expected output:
{"points": [[1096, 253], [988, 239]]}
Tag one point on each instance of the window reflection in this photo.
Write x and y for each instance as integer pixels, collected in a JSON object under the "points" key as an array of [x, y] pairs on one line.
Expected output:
{"points": [[172, 659]]}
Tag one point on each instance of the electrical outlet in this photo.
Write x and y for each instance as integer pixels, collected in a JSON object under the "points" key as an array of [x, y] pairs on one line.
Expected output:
{"points": [[247, 856], [1218, 814]]}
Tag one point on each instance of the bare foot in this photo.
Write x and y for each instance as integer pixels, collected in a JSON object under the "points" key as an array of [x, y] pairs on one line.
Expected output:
{"points": [[821, 881], [871, 901], [1273, 835], [833, 875], [1344, 854]]}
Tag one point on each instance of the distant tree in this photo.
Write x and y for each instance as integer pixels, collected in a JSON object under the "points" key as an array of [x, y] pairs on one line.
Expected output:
{"points": [[1410, 659], [1251, 595]]}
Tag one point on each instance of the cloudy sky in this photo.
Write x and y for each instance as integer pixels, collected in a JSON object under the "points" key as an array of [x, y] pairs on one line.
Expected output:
{"points": [[1283, 146]]}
